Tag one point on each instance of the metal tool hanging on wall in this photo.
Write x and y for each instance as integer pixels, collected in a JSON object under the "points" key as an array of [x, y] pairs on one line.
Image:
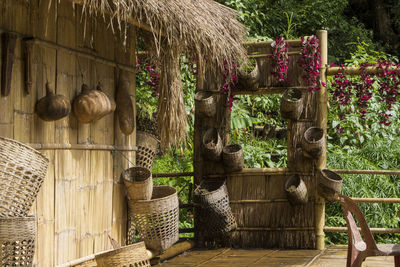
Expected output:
{"points": [[9, 41]]}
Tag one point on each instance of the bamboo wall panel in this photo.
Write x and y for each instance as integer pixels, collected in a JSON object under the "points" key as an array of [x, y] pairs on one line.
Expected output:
{"points": [[82, 200]]}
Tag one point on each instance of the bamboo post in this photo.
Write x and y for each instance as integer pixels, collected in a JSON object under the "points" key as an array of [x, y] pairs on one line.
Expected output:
{"points": [[322, 123]]}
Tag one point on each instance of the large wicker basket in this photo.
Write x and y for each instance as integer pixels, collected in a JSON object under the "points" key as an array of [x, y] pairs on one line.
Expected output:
{"points": [[147, 149], [17, 240], [157, 220], [215, 214], [22, 171], [139, 183], [134, 255]]}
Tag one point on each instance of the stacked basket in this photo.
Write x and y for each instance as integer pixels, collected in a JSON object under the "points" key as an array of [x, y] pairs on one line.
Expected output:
{"points": [[22, 171], [152, 211]]}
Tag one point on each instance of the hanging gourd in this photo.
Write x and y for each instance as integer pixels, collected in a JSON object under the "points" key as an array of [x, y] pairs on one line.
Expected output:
{"points": [[125, 108], [91, 105], [52, 107]]}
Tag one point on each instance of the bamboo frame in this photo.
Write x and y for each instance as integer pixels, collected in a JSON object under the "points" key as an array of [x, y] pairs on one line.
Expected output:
{"points": [[383, 172], [275, 229], [268, 90], [292, 43], [268, 55], [52, 146]]}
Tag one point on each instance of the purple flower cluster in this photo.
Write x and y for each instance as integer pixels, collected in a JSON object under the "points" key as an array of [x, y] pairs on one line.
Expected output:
{"points": [[389, 85], [230, 81], [310, 62], [280, 59], [151, 69], [341, 89], [389, 82]]}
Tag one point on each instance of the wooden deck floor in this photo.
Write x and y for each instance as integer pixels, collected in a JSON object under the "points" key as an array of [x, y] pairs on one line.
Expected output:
{"points": [[334, 256]]}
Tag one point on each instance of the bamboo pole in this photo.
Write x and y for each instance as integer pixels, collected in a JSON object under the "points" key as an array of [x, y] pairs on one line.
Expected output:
{"points": [[354, 70], [292, 43], [178, 174], [373, 230], [292, 53], [275, 229], [322, 123], [91, 56], [53, 146], [383, 172], [376, 200], [252, 201], [267, 90]]}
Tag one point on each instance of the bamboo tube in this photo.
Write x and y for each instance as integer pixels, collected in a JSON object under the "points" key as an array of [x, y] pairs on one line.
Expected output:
{"points": [[373, 230], [385, 172], [252, 201], [376, 200], [179, 174], [322, 117], [354, 70], [52, 146]]}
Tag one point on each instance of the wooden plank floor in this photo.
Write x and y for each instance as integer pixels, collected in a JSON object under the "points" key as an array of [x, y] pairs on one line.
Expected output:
{"points": [[333, 256]]}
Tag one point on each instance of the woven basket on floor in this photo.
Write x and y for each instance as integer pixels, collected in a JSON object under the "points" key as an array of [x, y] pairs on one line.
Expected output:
{"points": [[215, 214], [157, 220], [17, 240], [134, 255], [138, 182], [22, 171], [147, 149]]}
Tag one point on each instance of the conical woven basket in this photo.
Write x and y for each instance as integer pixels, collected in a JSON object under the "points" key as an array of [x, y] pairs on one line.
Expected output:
{"points": [[22, 171], [147, 149], [17, 240], [157, 220]]}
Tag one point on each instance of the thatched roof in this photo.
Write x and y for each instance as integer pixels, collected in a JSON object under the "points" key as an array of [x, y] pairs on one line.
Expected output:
{"points": [[201, 27]]}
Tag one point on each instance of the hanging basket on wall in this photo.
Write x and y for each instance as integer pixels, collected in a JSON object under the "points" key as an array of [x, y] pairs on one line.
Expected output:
{"points": [[313, 142], [296, 190], [205, 103], [212, 145], [250, 81], [232, 157], [292, 104], [215, 214], [138, 182], [329, 184], [147, 145]]}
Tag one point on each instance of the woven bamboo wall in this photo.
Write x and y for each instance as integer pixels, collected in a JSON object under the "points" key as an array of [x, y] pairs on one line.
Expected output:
{"points": [[82, 199]]}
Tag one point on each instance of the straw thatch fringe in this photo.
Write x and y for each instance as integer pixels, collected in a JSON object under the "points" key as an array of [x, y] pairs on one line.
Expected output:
{"points": [[171, 118], [206, 26]]}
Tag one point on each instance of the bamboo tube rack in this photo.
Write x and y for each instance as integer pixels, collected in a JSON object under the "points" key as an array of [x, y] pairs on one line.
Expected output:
{"points": [[81, 147]]}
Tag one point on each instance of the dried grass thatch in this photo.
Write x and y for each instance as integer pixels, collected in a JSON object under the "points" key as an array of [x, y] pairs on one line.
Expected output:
{"points": [[202, 27]]}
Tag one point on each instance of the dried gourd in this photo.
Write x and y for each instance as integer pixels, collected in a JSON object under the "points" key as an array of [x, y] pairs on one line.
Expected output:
{"points": [[52, 107]]}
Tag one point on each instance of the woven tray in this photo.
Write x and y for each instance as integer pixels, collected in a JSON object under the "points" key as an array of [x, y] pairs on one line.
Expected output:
{"points": [[157, 220], [17, 239], [22, 171]]}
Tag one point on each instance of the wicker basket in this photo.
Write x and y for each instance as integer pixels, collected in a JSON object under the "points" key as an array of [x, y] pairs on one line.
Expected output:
{"points": [[17, 238], [291, 104], [329, 184], [134, 255], [232, 157], [212, 145], [138, 182], [22, 171], [313, 142], [205, 103], [147, 145], [296, 190], [215, 214], [157, 220]]}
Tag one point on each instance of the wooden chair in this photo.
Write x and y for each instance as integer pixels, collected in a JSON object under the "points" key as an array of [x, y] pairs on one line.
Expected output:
{"points": [[358, 249]]}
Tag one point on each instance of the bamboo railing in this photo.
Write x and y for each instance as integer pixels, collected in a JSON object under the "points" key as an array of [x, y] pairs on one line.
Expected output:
{"points": [[279, 171]]}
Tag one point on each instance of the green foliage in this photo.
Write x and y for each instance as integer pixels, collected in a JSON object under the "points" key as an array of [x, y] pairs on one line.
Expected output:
{"points": [[146, 103]]}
